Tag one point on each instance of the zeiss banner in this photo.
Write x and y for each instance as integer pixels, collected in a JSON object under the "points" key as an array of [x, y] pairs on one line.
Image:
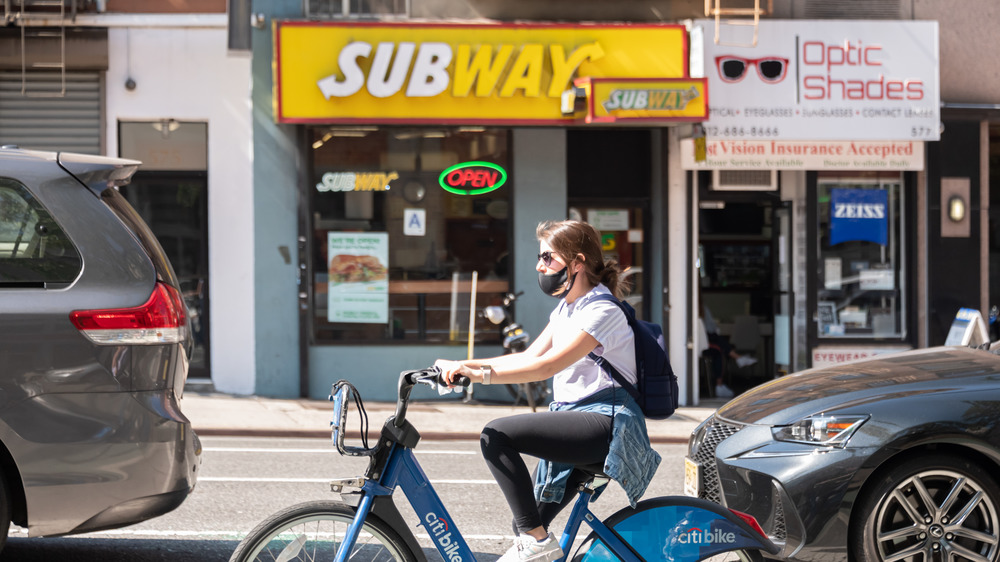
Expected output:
{"points": [[859, 214]]}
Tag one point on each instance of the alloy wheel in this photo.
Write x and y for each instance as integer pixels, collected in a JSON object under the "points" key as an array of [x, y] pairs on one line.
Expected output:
{"points": [[937, 515]]}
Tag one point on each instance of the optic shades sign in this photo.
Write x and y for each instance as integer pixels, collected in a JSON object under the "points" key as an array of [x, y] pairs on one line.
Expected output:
{"points": [[823, 80]]}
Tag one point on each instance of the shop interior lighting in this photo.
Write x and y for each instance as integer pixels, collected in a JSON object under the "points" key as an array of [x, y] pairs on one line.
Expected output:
{"points": [[421, 134], [355, 132], [956, 208], [322, 141], [166, 126]]}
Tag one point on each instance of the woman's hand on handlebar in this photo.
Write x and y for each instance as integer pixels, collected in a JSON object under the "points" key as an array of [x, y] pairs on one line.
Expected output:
{"points": [[451, 369]]}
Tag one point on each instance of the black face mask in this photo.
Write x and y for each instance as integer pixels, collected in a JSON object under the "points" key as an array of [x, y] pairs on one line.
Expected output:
{"points": [[551, 283]]}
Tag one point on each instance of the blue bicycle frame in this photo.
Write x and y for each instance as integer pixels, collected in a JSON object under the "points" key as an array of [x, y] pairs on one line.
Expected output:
{"points": [[404, 471], [666, 528]]}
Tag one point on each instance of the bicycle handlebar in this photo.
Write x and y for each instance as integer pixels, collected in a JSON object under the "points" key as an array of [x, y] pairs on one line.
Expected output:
{"points": [[343, 391], [431, 376]]}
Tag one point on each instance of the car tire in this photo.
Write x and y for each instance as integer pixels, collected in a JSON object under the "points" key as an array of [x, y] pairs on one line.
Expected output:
{"points": [[928, 506]]}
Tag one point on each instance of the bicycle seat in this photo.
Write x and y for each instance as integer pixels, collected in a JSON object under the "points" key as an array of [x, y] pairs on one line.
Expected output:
{"points": [[595, 475], [593, 470]]}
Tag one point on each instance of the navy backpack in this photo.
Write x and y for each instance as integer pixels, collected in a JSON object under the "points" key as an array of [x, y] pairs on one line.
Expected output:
{"points": [[657, 385]]}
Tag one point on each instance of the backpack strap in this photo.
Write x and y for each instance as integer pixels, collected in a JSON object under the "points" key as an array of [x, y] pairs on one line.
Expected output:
{"points": [[606, 365]]}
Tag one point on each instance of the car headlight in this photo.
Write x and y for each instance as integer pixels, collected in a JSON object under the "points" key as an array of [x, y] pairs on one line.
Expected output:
{"points": [[825, 430]]}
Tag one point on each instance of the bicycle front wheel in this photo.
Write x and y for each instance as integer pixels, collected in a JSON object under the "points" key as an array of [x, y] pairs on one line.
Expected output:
{"points": [[314, 531]]}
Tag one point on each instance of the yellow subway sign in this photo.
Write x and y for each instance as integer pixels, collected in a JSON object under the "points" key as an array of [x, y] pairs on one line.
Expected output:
{"points": [[331, 72]]}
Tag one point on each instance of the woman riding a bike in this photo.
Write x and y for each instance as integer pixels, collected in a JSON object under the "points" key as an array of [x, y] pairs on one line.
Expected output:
{"points": [[592, 422]]}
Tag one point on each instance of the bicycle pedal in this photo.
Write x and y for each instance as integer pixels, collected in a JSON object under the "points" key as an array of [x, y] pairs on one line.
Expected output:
{"points": [[339, 484]]}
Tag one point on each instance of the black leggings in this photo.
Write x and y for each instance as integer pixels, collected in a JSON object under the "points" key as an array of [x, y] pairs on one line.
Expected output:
{"points": [[570, 437]]}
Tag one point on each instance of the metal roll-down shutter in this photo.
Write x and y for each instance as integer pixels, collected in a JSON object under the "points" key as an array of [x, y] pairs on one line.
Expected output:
{"points": [[44, 120]]}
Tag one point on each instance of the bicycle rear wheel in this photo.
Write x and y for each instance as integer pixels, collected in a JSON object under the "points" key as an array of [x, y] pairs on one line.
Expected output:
{"points": [[314, 531], [655, 529], [586, 553], [737, 556]]}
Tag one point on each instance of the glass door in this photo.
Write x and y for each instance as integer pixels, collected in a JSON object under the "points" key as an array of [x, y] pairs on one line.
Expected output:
{"points": [[174, 206], [783, 301], [739, 273], [622, 230], [170, 193]]}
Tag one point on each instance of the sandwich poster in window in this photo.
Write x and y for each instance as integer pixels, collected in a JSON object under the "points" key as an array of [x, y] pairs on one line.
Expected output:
{"points": [[359, 277]]}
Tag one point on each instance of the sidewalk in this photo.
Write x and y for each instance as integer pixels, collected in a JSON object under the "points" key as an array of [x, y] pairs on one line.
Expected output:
{"points": [[218, 414]]}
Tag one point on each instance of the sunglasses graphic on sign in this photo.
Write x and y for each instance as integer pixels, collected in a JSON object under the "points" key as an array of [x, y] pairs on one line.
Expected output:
{"points": [[733, 68]]}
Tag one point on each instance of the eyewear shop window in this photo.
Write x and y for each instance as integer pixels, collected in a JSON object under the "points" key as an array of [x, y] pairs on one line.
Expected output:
{"points": [[404, 222], [861, 288]]}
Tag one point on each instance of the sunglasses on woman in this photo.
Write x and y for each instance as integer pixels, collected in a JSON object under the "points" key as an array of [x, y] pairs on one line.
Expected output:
{"points": [[546, 258]]}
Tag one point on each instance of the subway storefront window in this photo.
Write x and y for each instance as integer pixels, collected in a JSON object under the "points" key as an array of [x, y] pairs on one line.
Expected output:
{"points": [[404, 222]]}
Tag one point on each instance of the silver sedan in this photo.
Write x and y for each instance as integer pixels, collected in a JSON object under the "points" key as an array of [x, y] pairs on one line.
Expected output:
{"points": [[892, 458]]}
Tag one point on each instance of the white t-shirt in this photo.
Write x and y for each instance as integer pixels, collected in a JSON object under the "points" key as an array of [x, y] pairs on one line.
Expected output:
{"points": [[607, 324]]}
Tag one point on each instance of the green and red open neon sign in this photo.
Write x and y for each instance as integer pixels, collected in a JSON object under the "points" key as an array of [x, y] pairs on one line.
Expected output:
{"points": [[472, 178]]}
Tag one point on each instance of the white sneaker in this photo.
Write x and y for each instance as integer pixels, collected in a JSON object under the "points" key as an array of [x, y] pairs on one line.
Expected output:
{"points": [[723, 391], [527, 549]]}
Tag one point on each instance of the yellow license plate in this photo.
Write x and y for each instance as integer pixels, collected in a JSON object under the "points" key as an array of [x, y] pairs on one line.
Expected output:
{"points": [[692, 477]]}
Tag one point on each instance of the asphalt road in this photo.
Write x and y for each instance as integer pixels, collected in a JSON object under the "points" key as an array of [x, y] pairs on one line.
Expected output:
{"points": [[244, 480]]}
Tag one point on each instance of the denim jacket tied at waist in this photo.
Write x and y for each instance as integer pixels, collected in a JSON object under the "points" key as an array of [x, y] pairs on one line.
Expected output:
{"points": [[631, 461]]}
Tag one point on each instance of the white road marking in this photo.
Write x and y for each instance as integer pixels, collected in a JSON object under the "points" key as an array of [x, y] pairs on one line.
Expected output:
{"points": [[318, 480], [278, 450], [15, 532]]}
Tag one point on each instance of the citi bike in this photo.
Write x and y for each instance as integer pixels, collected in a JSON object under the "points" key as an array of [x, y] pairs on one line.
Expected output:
{"points": [[366, 525]]}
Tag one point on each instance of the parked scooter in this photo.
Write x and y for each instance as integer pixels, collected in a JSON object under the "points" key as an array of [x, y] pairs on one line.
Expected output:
{"points": [[515, 340]]}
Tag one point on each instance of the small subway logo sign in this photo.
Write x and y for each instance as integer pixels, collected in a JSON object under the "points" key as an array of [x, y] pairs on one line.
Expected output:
{"points": [[472, 178], [649, 99]]}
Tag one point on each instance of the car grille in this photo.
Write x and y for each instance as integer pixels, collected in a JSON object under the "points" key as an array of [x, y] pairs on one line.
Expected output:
{"points": [[779, 531], [716, 432]]}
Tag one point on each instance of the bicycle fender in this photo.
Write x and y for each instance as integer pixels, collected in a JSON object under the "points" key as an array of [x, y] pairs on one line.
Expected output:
{"points": [[683, 529], [385, 509]]}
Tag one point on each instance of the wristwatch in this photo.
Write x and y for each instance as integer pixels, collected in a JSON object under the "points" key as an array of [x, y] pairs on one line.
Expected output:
{"points": [[486, 371]]}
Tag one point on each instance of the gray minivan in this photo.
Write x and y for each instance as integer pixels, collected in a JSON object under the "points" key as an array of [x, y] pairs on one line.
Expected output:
{"points": [[94, 345]]}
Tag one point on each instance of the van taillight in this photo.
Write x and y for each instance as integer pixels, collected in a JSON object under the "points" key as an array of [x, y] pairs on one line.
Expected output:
{"points": [[161, 320]]}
